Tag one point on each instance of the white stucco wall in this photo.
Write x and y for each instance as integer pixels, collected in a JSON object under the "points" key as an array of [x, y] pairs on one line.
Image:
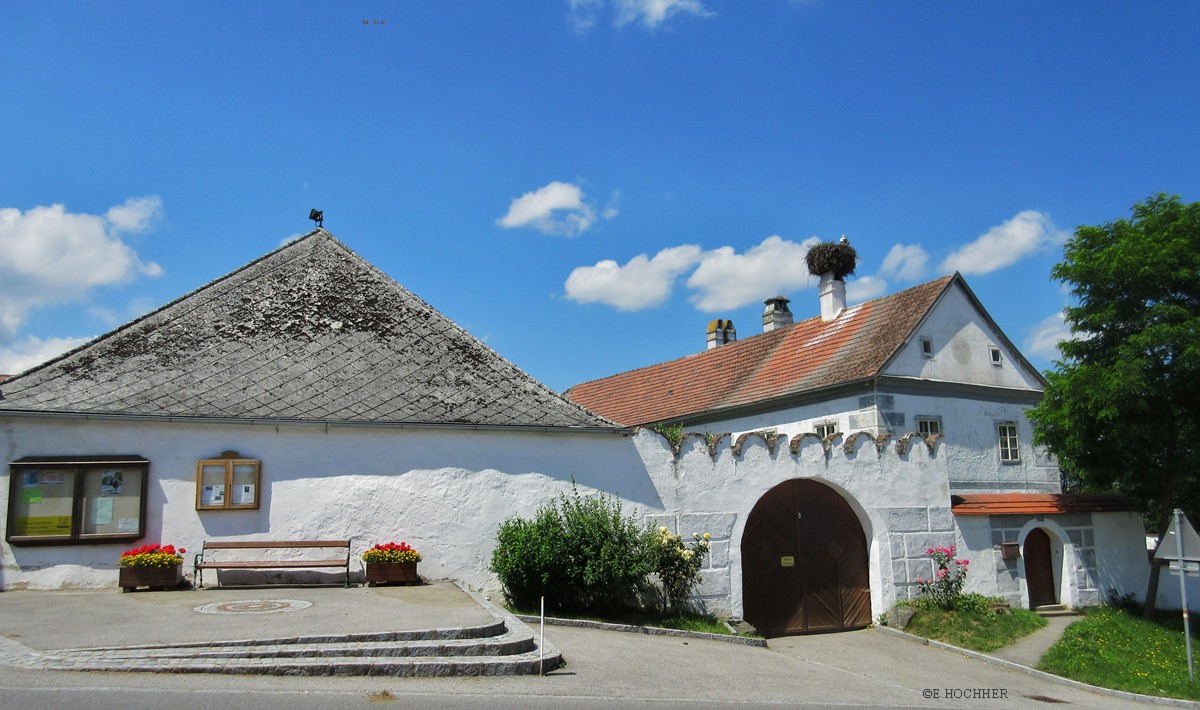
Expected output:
{"points": [[443, 491], [961, 339], [969, 430], [446, 491], [901, 500]]}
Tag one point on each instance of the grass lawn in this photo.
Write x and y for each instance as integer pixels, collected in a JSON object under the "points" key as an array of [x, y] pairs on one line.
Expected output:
{"points": [[977, 630], [1115, 648]]}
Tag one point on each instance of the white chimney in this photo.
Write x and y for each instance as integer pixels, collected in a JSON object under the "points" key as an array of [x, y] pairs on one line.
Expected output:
{"points": [[833, 296], [720, 332], [776, 314]]}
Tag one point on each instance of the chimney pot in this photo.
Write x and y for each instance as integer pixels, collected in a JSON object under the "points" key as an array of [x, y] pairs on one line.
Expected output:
{"points": [[776, 314], [720, 332]]}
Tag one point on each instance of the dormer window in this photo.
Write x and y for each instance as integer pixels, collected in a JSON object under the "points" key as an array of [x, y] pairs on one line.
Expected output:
{"points": [[926, 346], [997, 358]]}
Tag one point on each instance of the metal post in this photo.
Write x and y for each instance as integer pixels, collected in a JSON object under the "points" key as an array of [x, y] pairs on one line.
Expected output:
{"points": [[542, 642], [1187, 632]]}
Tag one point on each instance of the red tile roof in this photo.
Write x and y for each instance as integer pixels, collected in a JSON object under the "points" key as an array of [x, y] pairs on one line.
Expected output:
{"points": [[1038, 503], [798, 358]]}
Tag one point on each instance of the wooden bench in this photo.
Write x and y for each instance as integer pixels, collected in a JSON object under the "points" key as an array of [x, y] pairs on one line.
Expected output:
{"points": [[206, 560]]}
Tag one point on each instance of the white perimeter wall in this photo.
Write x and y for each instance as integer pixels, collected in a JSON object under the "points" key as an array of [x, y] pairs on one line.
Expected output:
{"points": [[446, 491]]}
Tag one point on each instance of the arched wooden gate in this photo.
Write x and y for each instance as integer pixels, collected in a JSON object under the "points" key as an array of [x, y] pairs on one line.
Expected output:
{"points": [[804, 562], [1039, 569]]}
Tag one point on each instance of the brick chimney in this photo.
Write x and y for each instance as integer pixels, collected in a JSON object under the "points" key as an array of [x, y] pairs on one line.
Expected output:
{"points": [[776, 314], [720, 332]]}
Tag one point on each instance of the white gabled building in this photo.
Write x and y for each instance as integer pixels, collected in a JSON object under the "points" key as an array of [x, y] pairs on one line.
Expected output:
{"points": [[307, 395], [918, 401], [364, 414]]}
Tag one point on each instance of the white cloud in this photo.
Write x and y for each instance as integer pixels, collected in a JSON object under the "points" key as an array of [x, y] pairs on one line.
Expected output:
{"points": [[726, 279], [557, 208], [1006, 244], [17, 357], [613, 208], [652, 13], [864, 289], [905, 262], [1046, 335], [54, 256], [583, 13], [137, 214], [642, 283]]}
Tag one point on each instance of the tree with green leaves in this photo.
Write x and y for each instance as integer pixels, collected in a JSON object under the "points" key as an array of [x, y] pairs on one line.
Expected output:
{"points": [[1121, 409]]}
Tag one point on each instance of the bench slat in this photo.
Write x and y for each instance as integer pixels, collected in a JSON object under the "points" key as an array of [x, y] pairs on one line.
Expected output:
{"points": [[273, 544], [276, 564], [201, 563]]}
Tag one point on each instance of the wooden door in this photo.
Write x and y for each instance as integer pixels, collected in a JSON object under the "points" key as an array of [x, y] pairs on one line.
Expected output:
{"points": [[1039, 569], [804, 562]]}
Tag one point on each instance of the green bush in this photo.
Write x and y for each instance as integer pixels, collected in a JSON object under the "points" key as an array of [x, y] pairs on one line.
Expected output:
{"points": [[581, 554], [606, 553], [528, 557]]}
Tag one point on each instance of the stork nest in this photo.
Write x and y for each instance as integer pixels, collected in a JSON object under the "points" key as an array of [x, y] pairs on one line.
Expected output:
{"points": [[831, 256]]}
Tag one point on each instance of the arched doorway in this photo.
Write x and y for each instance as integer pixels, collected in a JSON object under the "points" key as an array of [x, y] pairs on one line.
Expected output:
{"points": [[804, 562], [1039, 569]]}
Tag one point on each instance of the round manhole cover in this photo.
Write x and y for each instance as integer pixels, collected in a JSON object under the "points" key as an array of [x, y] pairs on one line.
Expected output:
{"points": [[254, 606]]}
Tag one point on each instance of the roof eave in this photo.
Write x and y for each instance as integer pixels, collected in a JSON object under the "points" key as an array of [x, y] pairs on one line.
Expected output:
{"points": [[774, 403], [327, 423]]}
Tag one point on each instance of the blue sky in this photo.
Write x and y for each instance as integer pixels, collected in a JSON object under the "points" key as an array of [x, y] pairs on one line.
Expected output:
{"points": [[582, 184]]}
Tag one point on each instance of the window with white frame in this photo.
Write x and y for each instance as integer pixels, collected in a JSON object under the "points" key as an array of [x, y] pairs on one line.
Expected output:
{"points": [[825, 429], [926, 346], [1010, 451], [928, 426], [997, 358]]}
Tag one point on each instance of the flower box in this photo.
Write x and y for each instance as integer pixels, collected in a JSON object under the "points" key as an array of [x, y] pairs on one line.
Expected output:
{"points": [[154, 577], [392, 572]]}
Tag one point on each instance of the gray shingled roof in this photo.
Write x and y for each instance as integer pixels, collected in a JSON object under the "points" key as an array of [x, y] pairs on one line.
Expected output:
{"points": [[308, 332]]}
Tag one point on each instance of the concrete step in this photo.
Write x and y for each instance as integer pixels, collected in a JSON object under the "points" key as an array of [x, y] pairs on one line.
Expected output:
{"points": [[492, 630], [1050, 610], [414, 649], [494, 649], [433, 666]]}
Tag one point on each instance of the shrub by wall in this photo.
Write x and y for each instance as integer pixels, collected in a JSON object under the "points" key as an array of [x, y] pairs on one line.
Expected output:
{"points": [[581, 553]]}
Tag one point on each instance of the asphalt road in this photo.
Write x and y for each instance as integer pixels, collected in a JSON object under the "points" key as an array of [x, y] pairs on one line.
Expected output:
{"points": [[606, 669]]}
